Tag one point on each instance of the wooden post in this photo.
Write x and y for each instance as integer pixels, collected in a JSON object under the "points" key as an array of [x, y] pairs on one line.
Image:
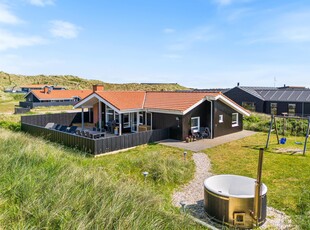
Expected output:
{"points": [[82, 118], [270, 128], [307, 136], [258, 187], [276, 128], [99, 115], [120, 124]]}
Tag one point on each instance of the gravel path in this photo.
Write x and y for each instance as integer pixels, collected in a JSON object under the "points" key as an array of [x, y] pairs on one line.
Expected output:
{"points": [[192, 195]]}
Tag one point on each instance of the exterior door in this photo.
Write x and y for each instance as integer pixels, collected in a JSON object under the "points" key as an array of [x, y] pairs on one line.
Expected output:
{"points": [[133, 121]]}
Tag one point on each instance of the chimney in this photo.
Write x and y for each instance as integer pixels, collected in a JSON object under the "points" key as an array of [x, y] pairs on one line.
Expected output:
{"points": [[45, 89], [98, 88], [238, 84]]}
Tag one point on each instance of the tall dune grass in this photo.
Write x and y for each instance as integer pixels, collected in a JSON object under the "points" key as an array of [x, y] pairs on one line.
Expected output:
{"points": [[46, 186]]}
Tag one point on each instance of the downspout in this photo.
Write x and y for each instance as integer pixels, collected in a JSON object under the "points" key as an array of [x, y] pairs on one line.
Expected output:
{"points": [[100, 115]]}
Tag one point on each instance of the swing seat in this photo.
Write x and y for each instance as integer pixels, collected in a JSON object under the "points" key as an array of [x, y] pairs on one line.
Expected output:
{"points": [[298, 143], [282, 140]]}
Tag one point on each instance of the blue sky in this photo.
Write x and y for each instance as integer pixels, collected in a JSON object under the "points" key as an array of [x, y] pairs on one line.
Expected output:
{"points": [[197, 43]]}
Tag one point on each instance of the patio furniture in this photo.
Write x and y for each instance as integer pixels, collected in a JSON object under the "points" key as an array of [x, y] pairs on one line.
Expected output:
{"points": [[58, 127], [63, 128], [50, 125], [72, 129], [205, 132], [195, 133], [78, 132]]}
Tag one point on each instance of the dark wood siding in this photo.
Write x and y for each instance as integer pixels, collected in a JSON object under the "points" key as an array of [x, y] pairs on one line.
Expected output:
{"points": [[203, 111], [302, 109], [163, 121], [224, 128], [239, 96]]}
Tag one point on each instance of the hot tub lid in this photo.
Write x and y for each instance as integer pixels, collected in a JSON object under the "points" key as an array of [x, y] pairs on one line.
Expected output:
{"points": [[232, 186]]}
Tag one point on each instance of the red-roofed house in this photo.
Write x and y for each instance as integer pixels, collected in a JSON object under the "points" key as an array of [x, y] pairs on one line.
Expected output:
{"points": [[28, 88], [182, 112], [50, 97]]}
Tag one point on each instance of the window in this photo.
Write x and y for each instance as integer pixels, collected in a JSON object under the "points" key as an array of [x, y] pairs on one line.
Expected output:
{"points": [[291, 109], [274, 108], [195, 123], [248, 105], [234, 119], [140, 118], [221, 118], [109, 114], [126, 120]]}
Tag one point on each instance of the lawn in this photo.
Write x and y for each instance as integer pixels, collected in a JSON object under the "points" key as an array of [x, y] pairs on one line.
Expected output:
{"points": [[48, 186], [286, 176]]}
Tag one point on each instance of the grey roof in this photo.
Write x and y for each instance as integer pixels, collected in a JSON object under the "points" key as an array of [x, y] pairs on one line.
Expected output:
{"points": [[253, 90], [288, 94]]}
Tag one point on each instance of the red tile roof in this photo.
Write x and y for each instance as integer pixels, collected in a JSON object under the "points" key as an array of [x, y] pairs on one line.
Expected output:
{"points": [[60, 94], [124, 100], [179, 101], [166, 101], [40, 86]]}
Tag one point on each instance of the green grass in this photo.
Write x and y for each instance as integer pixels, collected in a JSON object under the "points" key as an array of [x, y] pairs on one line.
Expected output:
{"points": [[47, 186], [286, 176]]}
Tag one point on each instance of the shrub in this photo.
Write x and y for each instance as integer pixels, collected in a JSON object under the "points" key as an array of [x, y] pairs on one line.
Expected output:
{"points": [[14, 126]]}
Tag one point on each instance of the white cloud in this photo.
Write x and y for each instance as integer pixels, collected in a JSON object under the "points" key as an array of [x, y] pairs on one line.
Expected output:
{"points": [[41, 2], [64, 29], [11, 41], [173, 56], [223, 2], [292, 27], [8, 17], [169, 31], [197, 35]]}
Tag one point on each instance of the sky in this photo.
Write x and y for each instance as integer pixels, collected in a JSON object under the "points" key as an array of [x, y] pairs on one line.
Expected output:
{"points": [[196, 43]]}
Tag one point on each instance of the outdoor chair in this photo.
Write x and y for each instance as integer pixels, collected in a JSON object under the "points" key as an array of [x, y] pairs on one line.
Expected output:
{"points": [[205, 132], [63, 128], [50, 125], [195, 133], [78, 132], [58, 127], [72, 129]]}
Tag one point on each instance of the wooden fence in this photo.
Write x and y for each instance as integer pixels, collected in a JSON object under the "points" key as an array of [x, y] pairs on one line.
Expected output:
{"points": [[58, 118], [97, 146]]}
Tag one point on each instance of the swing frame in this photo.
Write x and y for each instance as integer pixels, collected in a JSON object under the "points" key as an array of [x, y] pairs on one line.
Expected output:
{"points": [[273, 122]]}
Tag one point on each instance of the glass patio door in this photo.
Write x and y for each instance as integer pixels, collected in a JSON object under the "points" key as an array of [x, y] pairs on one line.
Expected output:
{"points": [[134, 122]]}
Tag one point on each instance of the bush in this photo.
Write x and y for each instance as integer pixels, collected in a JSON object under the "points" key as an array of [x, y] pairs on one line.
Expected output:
{"points": [[14, 126], [261, 123]]}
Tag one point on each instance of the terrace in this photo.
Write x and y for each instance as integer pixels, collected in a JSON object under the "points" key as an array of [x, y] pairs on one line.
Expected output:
{"points": [[77, 130]]}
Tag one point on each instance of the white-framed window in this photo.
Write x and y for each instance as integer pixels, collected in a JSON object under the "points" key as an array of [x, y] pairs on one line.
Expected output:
{"points": [[221, 118], [195, 123], [126, 120], [109, 114], [140, 118], [274, 108], [291, 109], [234, 119]]}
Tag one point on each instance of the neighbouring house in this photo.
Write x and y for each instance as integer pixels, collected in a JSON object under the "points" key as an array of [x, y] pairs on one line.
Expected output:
{"points": [[28, 88], [48, 96], [287, 100], [134, 111]]}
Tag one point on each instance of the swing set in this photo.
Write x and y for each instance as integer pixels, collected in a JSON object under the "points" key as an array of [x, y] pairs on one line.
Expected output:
{"points": [[273, 127]]}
